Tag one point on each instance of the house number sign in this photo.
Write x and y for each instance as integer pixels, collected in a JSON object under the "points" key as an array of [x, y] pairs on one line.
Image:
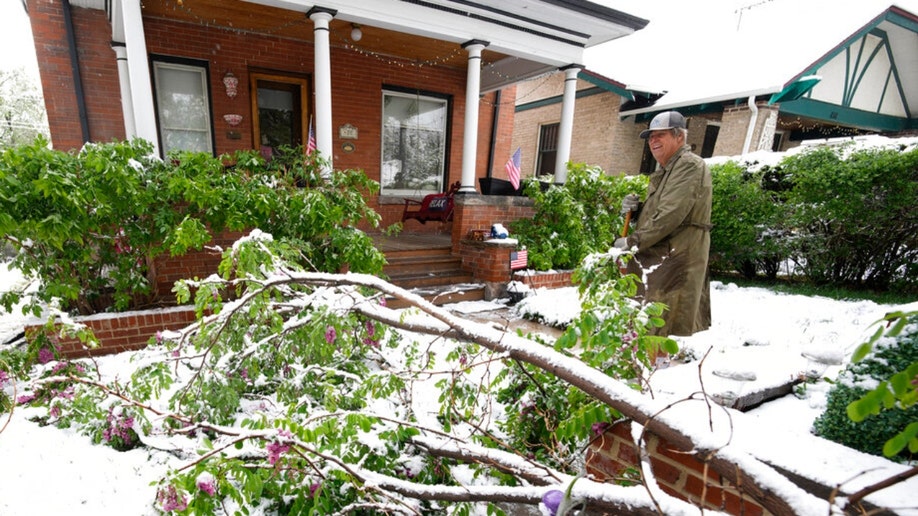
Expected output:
{"points": [[347, 132]]}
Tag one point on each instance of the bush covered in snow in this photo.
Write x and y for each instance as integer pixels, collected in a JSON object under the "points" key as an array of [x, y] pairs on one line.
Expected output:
{"points": [[868, 386]]}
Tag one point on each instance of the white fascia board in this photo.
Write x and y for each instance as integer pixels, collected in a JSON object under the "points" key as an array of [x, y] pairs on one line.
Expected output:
{"points": [[676, 104]]}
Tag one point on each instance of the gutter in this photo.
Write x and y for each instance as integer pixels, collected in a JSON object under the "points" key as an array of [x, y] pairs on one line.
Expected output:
{"points": [[496, 117], [752, 120], [75, 70]]}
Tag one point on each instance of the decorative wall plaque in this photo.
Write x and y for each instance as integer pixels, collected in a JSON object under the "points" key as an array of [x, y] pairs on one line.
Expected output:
{"points": [[347, 132]]}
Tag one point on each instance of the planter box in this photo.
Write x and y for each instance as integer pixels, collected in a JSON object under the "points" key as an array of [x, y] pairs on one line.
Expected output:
{"points": [[494, 186]]}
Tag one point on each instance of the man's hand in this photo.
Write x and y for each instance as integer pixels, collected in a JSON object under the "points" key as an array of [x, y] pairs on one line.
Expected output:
{"points": [[630, 203], [621, 243]]}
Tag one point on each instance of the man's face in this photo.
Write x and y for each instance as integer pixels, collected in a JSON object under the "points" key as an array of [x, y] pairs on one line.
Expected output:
{"points": [[663, 145]]}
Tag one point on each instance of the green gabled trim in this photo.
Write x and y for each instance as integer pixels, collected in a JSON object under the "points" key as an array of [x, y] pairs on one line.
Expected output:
{"points": [[902, 21], [795, 90], [606, 85], [557, 99], [833, 114], [857, 75]]}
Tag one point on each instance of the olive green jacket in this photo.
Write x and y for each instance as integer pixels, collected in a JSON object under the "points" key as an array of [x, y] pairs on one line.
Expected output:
{"points": [[672, 233]]}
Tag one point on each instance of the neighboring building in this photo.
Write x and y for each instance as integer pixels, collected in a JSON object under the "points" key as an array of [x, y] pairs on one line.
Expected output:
{"points": [[861, 78], [385, 85]]}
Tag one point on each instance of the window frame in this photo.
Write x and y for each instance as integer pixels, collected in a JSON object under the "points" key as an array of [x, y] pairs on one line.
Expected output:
{"points": [[177, 63], [542, 151], [296, 80], [430, 96]]}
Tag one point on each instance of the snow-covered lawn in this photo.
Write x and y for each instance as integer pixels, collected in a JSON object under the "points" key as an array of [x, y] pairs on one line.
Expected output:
{"points": [[755, 332]]}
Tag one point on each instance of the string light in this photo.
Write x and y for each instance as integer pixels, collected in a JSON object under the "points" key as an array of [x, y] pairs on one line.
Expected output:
{"points": [[348, 44]]}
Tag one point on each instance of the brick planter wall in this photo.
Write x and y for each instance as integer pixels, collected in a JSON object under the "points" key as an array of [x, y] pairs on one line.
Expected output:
{"points": [[118, 332], [544, 279], [678, 472]]}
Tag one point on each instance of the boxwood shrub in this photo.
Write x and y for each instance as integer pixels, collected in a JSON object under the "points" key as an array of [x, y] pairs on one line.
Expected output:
{"points": [[889, 356]]}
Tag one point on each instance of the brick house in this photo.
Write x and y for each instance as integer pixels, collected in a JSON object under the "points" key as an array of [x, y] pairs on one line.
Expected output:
{"points": [[418, 95], [860, 82]]}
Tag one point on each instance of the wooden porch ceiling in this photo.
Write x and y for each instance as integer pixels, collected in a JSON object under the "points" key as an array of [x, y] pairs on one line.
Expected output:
{"points": [[237, 15]]}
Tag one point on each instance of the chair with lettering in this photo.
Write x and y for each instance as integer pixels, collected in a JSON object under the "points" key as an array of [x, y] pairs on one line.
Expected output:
{"points": [[437, 206]]}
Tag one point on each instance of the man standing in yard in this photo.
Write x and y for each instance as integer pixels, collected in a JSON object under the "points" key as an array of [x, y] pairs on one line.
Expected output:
{"points": [[672, 230]]}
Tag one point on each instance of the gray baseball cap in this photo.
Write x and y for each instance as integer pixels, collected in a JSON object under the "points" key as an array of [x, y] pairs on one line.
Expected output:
{"points": [[665, 120]]}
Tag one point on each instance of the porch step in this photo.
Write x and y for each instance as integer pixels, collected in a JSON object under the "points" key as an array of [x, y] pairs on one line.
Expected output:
{"points": [[432, 273]]}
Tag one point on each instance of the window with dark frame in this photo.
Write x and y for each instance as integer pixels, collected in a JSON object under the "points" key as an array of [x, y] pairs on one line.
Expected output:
{"points": [[548, 149]]}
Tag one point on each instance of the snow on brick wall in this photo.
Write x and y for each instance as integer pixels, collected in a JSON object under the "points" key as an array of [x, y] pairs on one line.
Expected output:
{"points": [[613, 457], [118, 332]]}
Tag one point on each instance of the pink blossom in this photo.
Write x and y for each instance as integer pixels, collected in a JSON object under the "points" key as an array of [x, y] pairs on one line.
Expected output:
{"points": [[45, 355], [170, 500], [275, 450], [207, 483], [330, 334], [25, 399], [3, 377], [371, 328]]}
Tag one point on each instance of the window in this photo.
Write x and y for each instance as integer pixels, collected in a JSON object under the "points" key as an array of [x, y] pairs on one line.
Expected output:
{"points": [[279, 111], [183, 106], [548, 149], [414, 142], [710, 139]]}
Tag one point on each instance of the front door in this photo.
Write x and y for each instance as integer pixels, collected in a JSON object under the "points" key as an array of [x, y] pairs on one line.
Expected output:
{"points": [[279, 111]]}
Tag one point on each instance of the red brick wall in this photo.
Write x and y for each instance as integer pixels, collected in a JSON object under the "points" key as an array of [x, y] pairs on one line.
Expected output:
{"points": [[676, 471], [98, 70], [539, 279], [121, 331]]}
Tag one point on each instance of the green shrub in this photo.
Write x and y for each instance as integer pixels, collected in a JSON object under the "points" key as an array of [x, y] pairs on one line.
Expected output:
{"points": [[90, 224], [575, 219], [744, 216], [853, 215], [889, 357]]}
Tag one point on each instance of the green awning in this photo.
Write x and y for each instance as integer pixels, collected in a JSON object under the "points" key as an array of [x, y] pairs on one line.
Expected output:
{"points": [[795, 90]]}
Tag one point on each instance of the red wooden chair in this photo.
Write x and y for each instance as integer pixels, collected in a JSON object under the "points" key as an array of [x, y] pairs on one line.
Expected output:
{"points": [[437, 206]]}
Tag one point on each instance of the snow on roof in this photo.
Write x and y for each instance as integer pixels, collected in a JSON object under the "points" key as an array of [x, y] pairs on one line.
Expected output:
{"points": [[726, 49]]}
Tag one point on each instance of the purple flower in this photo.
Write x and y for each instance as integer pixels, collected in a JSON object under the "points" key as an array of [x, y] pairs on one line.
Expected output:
{"points": [[170, 500], [45, 355], [370, 342], [3, 377], [313, 488], [552, 500], [207, 483], [599, 428], [275, 450], [330, 334], [371, 328], [25, 399]]}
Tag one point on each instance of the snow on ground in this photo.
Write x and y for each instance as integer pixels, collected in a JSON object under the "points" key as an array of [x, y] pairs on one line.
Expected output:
{"points": [[755, 332]]}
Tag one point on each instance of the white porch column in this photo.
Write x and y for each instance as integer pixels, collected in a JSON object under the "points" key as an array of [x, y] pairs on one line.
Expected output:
{"points": [[127, 27], [322, 77], [470, 134], [566, 127], [124, 80]]}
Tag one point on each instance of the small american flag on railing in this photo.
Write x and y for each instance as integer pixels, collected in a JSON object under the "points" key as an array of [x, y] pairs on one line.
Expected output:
{"points": [[519, 259]]}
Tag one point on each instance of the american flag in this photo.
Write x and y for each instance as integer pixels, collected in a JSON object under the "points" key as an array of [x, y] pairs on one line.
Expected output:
{"points": [[519, 259], [513, 169], [311, 142]]}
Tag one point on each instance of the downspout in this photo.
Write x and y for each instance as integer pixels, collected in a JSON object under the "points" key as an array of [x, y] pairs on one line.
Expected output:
{"points": [[493, 148], [75, 69], [752, 120]]}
